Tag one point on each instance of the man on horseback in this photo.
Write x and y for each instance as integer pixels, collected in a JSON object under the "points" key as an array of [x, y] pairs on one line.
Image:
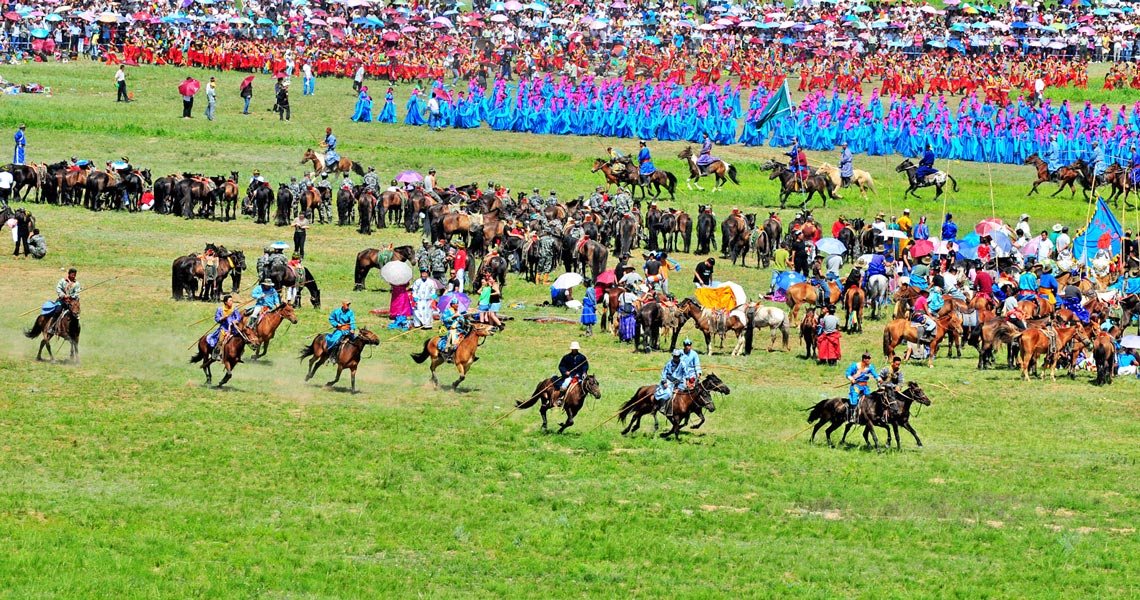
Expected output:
{"points": [[1052, 156], [672, 381], [265, 297], [431, 184], [371, 181], [66, 291], [646, 168], [619, 162], [706, 158], [343, 322], [859, 374], [331, 157], [596, 201], [255, 181], [572, 368], [1027, 285], [691, 361], [227, 317], [925, 326], [456, 323], [926, 165], [797, 163]]}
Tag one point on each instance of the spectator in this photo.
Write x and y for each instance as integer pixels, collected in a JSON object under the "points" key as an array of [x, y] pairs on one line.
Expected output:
{"points": [[121, 84], [38, 244]]}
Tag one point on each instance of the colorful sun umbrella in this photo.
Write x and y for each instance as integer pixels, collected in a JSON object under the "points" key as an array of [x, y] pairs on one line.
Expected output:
{"points": [[409, 177], [921, 248], [189, 87]]}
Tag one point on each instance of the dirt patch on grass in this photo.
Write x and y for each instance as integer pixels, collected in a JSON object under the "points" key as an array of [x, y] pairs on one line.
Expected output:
{"points": [[714, 508]]}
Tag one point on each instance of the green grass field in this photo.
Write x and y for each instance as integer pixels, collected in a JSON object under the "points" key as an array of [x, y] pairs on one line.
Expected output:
{"points": [[124, 477]]}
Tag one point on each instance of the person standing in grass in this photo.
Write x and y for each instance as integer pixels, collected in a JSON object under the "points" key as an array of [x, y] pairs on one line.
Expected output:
{"points": [[246, 95], [211, 98], [187, 104], [300, 231], [121, 84], [21, 143], [283, 112], [589, 307]]}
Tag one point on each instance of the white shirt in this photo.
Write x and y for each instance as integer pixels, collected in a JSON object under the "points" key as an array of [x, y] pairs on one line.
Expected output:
{"points": [[120, 75], [307, 70], [5, 180], [1063, 241], [1044, 248]]}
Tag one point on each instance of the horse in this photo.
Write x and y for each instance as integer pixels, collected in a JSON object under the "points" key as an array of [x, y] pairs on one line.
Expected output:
{"points": [[689, 309], [231, 351], [66, 326], [464, 355], [284, 276], [1104, 353], [626, 230], [809, 333], [262, 198], [877, 292], [759, 316], [347, 357], [835, 412], [590, 254], [342, 166], [267, 326], [658, 179], [900, 330], [937, 180], [1064, 176], [706, 231], [25, 178], [193, 189], [374, 258], [185, 271], [853, 302], [683, 404], [806, 293], [791, 182], [369, 215], [734, 241], [648, 322], [859, 177], [345, 199], [284, 213], [389, 208], [1034, 342], [898, 413], [572, 401], [1119, 179], [721, 171]]}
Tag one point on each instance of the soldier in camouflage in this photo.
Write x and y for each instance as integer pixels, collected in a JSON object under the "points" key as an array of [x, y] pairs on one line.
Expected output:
{"points": [[623, 203], [545, 257], [596, 200], [326, 200], [438, 262], [372, 181], [423, 259], [553, 199], [534, 199]]}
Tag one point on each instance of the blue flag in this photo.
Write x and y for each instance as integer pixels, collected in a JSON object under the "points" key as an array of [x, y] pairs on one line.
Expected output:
{"points": [[1103, 232]]}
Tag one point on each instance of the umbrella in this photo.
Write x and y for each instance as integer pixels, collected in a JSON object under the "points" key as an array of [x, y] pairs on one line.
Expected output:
{"points": [[921, 248], [894, 233], [245, 82], [396, 272], [566, 281], [1130, 341], [968, 250], [513, 5], [279, 246], [607, 277], [53, 18], [1001, 239], [317, 21], [108, 18], [40, 33], [189, 87], [409, 177], [787, 279], [12, 16], [499, 18], [391, 36], [987, 226], [830, 246], [462, 299]]}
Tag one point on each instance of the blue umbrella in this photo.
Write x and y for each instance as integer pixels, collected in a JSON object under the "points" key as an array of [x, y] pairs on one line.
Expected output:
{"points": [[830, 245], [1001, 239], [1024, 25], [40, 33], [968, 250], [652, 39], [52, 18], [787, 279], [264, 21], [862, 8]]}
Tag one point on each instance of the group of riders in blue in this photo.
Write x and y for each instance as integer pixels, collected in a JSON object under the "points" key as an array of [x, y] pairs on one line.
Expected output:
{"points": [[679, 374]]}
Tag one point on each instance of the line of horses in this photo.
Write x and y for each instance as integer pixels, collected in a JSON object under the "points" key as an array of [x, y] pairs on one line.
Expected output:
{"points": [[1078, 172]]}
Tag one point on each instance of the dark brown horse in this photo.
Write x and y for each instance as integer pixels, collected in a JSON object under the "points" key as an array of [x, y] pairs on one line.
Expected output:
{"points": [[572, 401], [347, 357], [793, 183], [681, 407], [721, 171], [734, 237], [1104, 353], [374, 258], [66, 325], [808, 333], [1065, 176], [658, 179], [936, 180], [464, 352], [853, 302], [231, 352]]}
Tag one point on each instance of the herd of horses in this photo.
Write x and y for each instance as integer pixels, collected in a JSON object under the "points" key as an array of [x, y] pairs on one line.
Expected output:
{"points": [[1079, 173]]}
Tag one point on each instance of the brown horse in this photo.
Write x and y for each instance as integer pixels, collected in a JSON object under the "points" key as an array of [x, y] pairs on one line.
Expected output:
{"points": [[374, 258], [231, 352], [1104, 353], [853, 302], [904, 300], [1049, 344], [1117, 177], [900, 330], [791, 182], [342, 166], [572, 401], [390, 208], [658, 179], [704, 319], [806, 293], [66, 325], [267, 326], [1065, 176], [347, 357], [808, 333], [834, 411], [464, 352], [721, 171], [681, 407], [228, 194]]}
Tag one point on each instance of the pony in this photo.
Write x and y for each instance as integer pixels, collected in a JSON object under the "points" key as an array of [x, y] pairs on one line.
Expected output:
{"points": [[658, 179], [342, 166], [374, 258], [806, 293], [347, 357], [706, 231], [231, 351], [721, 171], [683, 404], [808, 333], [464, 356], [854, 299], [65, 326], [791, 182], [937, 180], [572, 401], [870, 410], [284, 276]]}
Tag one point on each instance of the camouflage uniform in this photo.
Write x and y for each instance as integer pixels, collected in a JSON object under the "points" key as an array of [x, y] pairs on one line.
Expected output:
{"points": [[623, 203], [552, 200], [325, 207], [576, 232], [545, 254], [595, 202], [423, 260], [438, 259], [534, 200], [372, 183], [263, 265]]}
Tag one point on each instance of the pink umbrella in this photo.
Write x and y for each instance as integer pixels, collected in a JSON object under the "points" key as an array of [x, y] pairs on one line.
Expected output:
{"points": [[921, 248], [391, 36], [189, 87], [988, 225], [317, 21], [408, 29], [1030, 248], [513, 5], [499, 18], [337, 21]]}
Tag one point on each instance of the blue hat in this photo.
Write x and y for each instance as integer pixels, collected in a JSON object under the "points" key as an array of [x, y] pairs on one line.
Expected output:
{"points": [[688, 342], [676, 353]]}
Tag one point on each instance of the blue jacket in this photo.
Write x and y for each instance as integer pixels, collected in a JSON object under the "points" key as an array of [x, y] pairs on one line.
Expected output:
{"points": [[268, 299], [344, 323], [949, 231]]}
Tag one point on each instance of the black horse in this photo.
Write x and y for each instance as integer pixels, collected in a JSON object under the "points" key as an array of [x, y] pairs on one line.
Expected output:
{"points": [[706, 230], [24, 178], [262, 198], [284, 213], [648, 322], [936, 180], [284, 276]]}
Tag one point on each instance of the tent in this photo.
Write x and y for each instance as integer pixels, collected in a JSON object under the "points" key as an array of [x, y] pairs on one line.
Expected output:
{"points": [[1102, 232]]}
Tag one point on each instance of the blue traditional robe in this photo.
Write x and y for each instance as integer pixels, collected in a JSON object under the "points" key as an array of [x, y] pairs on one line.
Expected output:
{"points": [[646, 162], [226, 322], [21, 141], [926, 165], [363, 110], [343, 322]]}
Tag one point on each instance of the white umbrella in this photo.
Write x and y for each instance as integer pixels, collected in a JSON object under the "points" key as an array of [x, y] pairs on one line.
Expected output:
{"points": [[830, 246], [893, 233], [1130, 341], [566, 281], [396, 272]]}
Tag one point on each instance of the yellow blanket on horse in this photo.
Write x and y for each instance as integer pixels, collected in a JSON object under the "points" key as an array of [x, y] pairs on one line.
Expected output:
{"points": [[721, 298]]}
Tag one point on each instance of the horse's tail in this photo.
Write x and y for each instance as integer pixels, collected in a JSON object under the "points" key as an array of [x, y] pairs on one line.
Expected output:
{"points": [[953, 181], [175, 284], [818, 412], [887, 341], [749, 315], [672, 181], [786, 329], [732, 174], [356, 168], [628, 407], [529, 402], [37, 328], [599, 263], [200, 355], [422, 356], [306, 352]]}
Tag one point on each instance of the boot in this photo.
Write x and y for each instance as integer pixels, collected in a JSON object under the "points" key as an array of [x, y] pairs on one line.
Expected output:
{"points": [[216, 352]]}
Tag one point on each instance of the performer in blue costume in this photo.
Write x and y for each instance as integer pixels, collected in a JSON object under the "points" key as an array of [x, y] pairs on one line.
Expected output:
{"points": [[343, 321], [388, 113], [647, 168], [21, 142], [415, 109], [926, 165], [363, 110]]}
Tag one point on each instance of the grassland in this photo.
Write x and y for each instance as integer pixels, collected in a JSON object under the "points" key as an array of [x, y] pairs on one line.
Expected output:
{"points": [[124, 477]]}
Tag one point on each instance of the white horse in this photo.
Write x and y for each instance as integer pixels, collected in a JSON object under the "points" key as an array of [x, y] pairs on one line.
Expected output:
{"points": [[752, 316], [859, 178], [878, 292]]}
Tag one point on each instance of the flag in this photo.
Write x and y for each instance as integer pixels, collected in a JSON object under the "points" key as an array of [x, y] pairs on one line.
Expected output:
{"points": [[780, 103], [1103, 232]]}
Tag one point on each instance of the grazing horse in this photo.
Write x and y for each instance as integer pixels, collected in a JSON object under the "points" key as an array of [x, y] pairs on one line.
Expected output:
{"points": [[374, 258], [853, 302], [791, 182], [694, 401], [758, 316], [572, 401], [231, 351], [806, 293], [721, 171], [859, 177], [1068, 175], [267, 325], [464, 352], [900, 330], [342, 166], [65, 326], [937, 180], [347, 357]]}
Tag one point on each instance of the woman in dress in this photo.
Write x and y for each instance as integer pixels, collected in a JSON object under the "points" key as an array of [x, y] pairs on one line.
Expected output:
{"points": [[388, 113]]}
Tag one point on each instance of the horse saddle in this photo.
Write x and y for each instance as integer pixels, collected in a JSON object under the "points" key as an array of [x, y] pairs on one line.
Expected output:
{"points": [[476, 219], [580, 245]]}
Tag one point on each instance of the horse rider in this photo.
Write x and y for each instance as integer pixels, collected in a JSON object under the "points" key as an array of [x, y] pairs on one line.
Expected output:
{"points": [[1134, 165], [854, 276], [846, 165], [691, 361], [276, 260], [431, 184], [706, 158], [227, 317], [552, 200], [925, 326], [298, 277], [534, 199], [596, 202], [619, 162], [1027, 285], [926, 165], [326, 199], [623, 203], [859, 374], [819, 281], [672, 381], [122, 168], [66, 291], [343, 322], [646, 167], [255, 181], [265, 297], [797, 161], [371, 181], [331, 157], [571, 369], [456, 323]]}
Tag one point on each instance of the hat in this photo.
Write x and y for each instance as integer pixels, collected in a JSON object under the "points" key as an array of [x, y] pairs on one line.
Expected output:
{"points": [[575, 346], [1057, 228], [328, 129], [866, 355], [267, 281], [906, 211], [268, 248], [423, 270], [688, 342], [881, 215], [862, 264], [1024, 216], [949, 216], [432, 170], [676, 352]]}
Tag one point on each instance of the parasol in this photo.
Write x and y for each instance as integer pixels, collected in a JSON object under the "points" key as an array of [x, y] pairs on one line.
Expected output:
{"points": [[463, 300], [279, 246], [189, 87], [921, 248], [607, 277], [1130, 341], [987, 226], [830, 246], [894, 233], [396, 272], [245, 82], [787, 279], [409, 177], [566, 281]]}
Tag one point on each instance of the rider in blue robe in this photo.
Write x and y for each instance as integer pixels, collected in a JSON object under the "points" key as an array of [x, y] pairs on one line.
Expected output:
{"points": [[646, 169], [926, 165], [331, 157], [227, 319], [343, 321], [1053, 155], [706, 158]]}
